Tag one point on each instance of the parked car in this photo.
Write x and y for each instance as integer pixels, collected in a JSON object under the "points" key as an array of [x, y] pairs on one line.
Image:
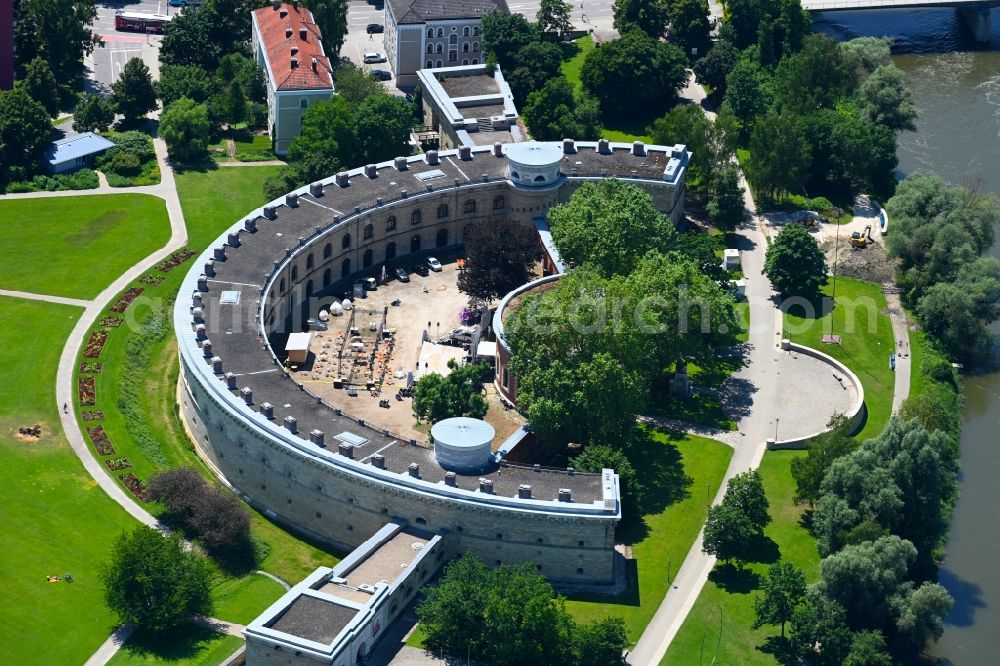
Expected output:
{"points": [[373, 57], [402, 275], [316, 325], [419, 269], [433, 264], [381, 74], [375, 28]]}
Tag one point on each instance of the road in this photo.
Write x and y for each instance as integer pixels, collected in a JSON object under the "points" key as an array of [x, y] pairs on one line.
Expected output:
{"points": [[596, 14]]}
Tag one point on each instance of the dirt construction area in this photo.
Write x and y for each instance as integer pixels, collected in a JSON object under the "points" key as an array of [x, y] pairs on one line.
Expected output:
{"points": [[348, 358]]}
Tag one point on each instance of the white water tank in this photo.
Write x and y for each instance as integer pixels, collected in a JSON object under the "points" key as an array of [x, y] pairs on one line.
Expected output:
{"points": [[462, 444]]}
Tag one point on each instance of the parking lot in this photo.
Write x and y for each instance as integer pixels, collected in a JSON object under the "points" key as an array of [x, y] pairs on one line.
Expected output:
{"points": [[358, 41], [106, 62]]}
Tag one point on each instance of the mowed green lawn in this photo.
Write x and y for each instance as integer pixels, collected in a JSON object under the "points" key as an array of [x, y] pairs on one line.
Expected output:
{"points": [[77, 246], [682, 472], [55, 519], [726, 602], [215, 199], [866, 340], [199, 647]]}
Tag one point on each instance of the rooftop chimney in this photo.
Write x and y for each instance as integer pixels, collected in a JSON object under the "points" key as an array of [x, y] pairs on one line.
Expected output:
{"points": [[276, 5]]}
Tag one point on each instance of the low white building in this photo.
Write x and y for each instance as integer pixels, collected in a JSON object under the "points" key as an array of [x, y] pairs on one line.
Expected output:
{"points": [[469, 105], [75, 152], [287, 44], [428, 34]]}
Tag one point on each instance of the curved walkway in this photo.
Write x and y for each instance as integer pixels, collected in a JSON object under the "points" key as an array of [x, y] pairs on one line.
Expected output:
{"points": [[65, 393]]}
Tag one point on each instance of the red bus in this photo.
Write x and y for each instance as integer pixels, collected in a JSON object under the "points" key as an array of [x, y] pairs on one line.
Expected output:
{"points": [[140, 22]]}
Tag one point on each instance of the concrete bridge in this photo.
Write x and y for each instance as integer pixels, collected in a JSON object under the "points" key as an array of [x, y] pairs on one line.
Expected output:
{"points": [[975, 13]]}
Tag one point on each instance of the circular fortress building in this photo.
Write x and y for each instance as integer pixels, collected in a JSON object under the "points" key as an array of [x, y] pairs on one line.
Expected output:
{"points": [[339, 479]]}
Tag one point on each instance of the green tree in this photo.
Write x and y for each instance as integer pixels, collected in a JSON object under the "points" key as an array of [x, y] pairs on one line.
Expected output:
{"points": [[745, 491], [863, 577], [187, 40], [819, 630], [554, 16], [498, 258], [635, 72], [957, 313], [728, 533], [885, 99], [436, 398], [355, 84], [919, 613], [185, 128], [689, 26], [743, 19], [504, 34], [783, 589], [533, 66], [505, 616], [154, 582], [327, 132], [866, 54], [794, 263], [610, 225], [688, 124], [331, 18], [382, 127], [553, 113], [57, 30], [868, 649], [845, 151], [596, 457], [779, 156], [25, 133], [703, 250], [649, 16], [821, 451], [600, 643], [40, 83], [93, 113], [726, 206], [713, 67], [747, 92], [189, 81], [815, 78], [132, 93]]}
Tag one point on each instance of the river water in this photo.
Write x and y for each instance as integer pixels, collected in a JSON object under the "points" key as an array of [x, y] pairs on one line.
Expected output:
{"points": [[956, 87]]}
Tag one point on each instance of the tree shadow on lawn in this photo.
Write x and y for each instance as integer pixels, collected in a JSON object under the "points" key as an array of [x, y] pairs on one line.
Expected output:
{"points": [[736, 578], [629, 597], [816, 306], [183, 643], [780, 648], [660, 470], [200, 167]]}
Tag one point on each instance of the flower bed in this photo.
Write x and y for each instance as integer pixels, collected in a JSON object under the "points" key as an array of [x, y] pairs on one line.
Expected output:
{"points": [[151, 279], [175, 260], [95, 344], [94, 415], [87, 391], [117, 464], [125, 300], [135, 486], [91, 367], [110, 322], [101, 442]]}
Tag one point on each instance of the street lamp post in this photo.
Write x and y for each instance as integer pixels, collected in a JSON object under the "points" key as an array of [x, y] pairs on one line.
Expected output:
{"points": [[776, 420], [669, 561]]}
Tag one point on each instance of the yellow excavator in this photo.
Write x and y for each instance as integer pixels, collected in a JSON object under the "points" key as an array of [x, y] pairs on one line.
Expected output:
{"points": [[862, 239]]}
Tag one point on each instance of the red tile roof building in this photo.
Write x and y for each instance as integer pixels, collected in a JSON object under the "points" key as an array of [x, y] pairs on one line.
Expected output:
{"points": [[287, 44]]}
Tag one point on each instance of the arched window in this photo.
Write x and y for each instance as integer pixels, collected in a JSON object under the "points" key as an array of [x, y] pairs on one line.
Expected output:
{"points": [[429, 64], [390, 251], [453, 39], [442, 238], [304, 103], [390, 224], [453, 55], [430, 48], [539, 179], [281, 286], [295, 273], [430, 32], [415, 243], [440, 63], [327, 277], [498, 203], [514, 175], [440, 48], [309, 262], [327, 251], [465, 31], [345, 268], [475, 61], [465, 61], [366, 259], [415, 217], [470, 206], [442, 210], [346, 242], [475, 30], [369, 231], [440, 32], [465, 47], [309, 288], [475, 47]]}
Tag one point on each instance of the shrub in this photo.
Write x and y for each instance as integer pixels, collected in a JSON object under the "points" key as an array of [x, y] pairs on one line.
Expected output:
{"points": [[125, 164]]}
